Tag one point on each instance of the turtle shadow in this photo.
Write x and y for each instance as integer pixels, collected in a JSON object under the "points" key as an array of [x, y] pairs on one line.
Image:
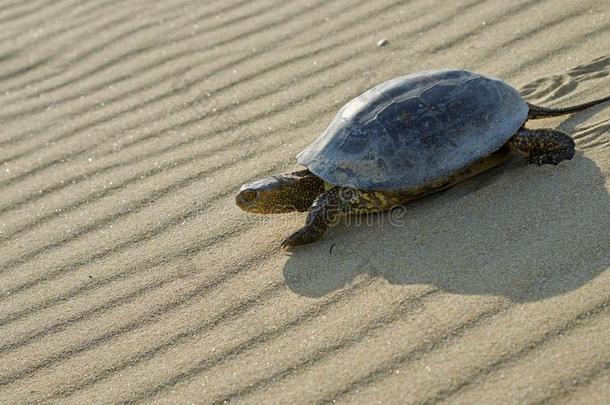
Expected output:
{"points": [[522, 232]]}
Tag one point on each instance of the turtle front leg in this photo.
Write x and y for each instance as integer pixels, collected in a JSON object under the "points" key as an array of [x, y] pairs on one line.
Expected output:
{"points": [[543, 146], [324, 211]]}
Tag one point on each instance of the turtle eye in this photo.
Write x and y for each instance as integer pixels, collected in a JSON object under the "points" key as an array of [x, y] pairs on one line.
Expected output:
{"points": [[249, 195]]}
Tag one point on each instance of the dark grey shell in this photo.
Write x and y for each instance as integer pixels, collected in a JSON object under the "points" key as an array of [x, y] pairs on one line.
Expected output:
{"points": [[412, 130]]}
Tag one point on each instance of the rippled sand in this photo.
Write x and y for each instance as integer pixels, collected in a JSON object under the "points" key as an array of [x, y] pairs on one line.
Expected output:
{"points": [[127, 274]]}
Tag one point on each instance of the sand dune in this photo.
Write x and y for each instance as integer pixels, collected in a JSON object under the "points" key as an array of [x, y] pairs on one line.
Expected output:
{"points": [[127, 273]]}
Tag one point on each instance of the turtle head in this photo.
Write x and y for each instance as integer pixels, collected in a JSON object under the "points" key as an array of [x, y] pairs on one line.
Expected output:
{"points": [[279, 194]]}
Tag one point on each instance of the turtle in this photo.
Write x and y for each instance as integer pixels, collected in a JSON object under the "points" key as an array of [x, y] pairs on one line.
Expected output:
{"points": [[406, 138]]}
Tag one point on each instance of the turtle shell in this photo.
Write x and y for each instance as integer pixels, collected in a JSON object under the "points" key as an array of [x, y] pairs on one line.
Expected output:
{"points": [[415, 129]]}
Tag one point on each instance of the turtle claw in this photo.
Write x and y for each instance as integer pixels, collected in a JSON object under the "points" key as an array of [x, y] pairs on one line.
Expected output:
{"points": [[303, 236], [540, 160], [286, 244], [550, 159]]}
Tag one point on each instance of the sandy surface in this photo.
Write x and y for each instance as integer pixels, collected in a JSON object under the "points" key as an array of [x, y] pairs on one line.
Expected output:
{"points": [[127, 274]]}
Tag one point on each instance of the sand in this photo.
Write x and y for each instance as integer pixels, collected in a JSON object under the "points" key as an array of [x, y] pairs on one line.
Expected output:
{"points": [[127, 274]]}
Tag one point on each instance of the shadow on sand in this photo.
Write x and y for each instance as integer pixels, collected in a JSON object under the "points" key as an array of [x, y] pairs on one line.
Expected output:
{"points": [[525, 233], [522, 232]]}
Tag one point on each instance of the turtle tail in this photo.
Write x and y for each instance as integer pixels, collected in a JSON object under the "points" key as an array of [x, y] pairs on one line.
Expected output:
{"points": [[543, 112]]}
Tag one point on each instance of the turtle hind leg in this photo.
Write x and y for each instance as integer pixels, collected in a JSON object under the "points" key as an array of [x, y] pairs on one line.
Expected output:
{"points": [[543, 146]]}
